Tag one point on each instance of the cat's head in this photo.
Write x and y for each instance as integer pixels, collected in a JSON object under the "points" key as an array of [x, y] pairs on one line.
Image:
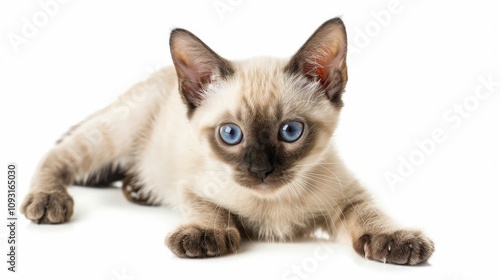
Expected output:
{"points": [[265, 121]]}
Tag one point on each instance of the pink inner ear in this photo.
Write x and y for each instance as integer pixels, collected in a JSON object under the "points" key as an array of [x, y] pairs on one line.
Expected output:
{"points": [[317, 71], [321, 71], [325, 66], [194, 78], [336, 60], [194, 74]]}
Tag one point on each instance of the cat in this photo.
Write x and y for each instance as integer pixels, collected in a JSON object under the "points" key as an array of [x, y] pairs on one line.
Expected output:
{"points": [[242, 147]]}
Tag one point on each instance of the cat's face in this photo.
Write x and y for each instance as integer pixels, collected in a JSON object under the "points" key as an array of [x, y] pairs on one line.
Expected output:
{"points": [[265, 124], [265, 121]]}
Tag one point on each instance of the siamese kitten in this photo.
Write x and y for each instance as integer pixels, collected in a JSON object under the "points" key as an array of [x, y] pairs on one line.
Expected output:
{"points": [[242, 147]]}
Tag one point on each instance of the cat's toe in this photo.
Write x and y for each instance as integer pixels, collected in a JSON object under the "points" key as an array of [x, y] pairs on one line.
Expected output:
{"points": [[398, 247], [48, 207], [194, 241]]}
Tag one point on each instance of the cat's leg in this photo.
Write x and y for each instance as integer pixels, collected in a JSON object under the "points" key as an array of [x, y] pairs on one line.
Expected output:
{"points": [[210, 231], [103, 177], [375, 237], [48, 201], [105, 141]]}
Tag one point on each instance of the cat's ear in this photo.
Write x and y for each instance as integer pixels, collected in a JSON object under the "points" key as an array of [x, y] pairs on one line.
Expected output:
{"points": [[196, 65], [323, 59]]}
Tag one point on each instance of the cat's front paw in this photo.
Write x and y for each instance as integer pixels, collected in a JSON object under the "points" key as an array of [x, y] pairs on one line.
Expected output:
{"points": [[398, 247], [194, 241], [48, 207]]}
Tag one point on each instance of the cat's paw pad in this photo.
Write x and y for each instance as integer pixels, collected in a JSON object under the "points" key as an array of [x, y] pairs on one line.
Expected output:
{"points": [[399, 247], [48, 207], [193, 241]]}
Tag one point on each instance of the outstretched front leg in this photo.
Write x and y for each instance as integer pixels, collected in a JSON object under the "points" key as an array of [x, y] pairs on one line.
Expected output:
{"points": [[210, 231], [376, 238]]}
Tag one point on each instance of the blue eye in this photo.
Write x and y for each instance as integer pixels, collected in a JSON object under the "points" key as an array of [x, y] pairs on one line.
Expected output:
{"points": [[291, 131], [230, 133]]}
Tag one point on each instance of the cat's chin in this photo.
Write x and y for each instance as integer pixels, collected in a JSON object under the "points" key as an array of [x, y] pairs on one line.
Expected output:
{"points": [[264, 188]]}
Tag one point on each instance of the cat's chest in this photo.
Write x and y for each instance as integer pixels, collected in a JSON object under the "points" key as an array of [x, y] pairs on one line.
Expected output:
{"points": [[273, 217], [273, 220]]}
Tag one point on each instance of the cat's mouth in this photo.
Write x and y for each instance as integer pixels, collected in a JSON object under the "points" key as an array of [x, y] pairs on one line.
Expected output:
{"points": [[267, 184], [264, 187]]}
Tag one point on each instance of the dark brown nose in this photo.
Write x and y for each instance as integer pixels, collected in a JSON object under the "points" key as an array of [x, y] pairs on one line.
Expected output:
{"points": [[261, 172]]}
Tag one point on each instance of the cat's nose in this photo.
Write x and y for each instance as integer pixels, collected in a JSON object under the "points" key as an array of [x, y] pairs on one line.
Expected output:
{"points": [[261, 172]]}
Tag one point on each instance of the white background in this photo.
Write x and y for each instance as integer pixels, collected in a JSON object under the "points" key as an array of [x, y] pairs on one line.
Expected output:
{"points": [[406, 73]]}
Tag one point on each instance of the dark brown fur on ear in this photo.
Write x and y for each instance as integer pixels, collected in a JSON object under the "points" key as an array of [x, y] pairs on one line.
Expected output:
{"points": [[196, 66], [323, 59]]}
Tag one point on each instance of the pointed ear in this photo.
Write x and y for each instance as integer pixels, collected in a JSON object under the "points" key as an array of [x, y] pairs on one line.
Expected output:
{"points": [[196, 65], [323, 58]]}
